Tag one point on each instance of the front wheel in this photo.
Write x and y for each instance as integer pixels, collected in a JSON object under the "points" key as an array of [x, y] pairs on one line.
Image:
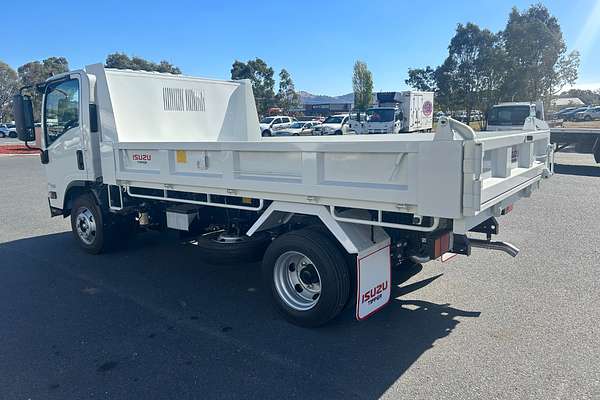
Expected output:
{"points": [[266, 133], [308, 277], [87, 224]]}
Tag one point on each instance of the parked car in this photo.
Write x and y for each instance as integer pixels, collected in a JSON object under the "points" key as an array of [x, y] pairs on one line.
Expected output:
{"points": [[298, 128], [438, 115], [333, 125], [270, 124], [590, 114], [560, 114], [570, 115], [476, 115], [8, 130]]}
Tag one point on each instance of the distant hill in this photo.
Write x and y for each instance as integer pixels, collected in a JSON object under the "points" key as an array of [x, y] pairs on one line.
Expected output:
{"points": [[309, 98]]}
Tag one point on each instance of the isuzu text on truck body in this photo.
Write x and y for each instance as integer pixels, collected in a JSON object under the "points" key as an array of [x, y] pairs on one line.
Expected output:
{"points": [[125, 150]]}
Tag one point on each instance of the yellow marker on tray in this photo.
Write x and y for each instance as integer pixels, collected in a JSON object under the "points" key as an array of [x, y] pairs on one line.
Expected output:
{"points": [[181, 156]]}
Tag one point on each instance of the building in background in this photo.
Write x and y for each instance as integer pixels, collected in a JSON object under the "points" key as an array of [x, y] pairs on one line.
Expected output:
{"points": [[562, 102], [326, 109]]}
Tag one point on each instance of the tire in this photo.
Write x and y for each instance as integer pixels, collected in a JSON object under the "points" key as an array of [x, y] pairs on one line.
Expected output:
{"points": [[587, 118], [338, 133], [314, 298], [597, 151], [88, 224], [266, 133], [249, 249], [12, 135]]}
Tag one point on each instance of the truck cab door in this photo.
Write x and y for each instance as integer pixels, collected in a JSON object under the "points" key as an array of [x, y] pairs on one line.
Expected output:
{"points": [[62, 134]]}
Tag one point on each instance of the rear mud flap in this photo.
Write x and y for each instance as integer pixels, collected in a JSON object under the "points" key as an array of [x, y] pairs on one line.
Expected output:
{"points": [[373, 273]]}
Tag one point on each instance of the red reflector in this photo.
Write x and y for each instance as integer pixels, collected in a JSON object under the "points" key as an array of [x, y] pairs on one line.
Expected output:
{"points": [[445, 243], [508, 209], [442, 245]]}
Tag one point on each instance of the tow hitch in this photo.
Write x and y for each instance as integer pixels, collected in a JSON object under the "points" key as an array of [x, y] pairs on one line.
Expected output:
{"points": [[506, 247], [462, 244]]}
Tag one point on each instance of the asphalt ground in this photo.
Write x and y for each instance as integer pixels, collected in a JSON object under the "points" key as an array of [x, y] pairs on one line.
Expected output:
{"points": [[154, 321]]}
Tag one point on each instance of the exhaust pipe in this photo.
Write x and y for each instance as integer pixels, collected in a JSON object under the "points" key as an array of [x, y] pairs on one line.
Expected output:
{"points": [[502, 246]]}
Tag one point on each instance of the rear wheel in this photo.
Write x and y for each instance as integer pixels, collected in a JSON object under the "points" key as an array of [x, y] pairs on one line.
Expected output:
{"points": [[308, 277]]}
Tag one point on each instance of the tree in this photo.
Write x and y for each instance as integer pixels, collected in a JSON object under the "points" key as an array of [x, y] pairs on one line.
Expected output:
{"points": [[527, 61], [287, 97], [35, 72], [470, 66], [362, 84], [122, 61], [539, 66], [261, 76], [8, 86], [423, 79]]}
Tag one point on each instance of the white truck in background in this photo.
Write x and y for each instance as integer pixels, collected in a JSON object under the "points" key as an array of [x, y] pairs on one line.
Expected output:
{"points": [[396, 112], [510, 116], [126, 151]]}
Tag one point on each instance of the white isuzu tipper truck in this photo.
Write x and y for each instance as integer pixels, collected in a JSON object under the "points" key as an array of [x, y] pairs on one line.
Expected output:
{"points": [[328, 216]]}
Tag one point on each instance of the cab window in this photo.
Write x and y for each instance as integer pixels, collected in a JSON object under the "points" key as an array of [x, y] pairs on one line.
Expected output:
{"points": [[61, 109]]}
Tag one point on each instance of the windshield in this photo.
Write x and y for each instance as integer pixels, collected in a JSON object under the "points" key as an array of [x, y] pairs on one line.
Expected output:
{"points": [[333, 120], [267, 120], [380, 115], [512, 115], [297, 125]]}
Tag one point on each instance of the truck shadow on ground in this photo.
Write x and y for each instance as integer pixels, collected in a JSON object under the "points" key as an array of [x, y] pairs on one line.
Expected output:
{"points": [[579, 170], [176, 304]]}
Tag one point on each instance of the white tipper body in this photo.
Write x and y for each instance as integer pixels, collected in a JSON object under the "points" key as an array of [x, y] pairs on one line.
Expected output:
{"points": [[199, 135]]}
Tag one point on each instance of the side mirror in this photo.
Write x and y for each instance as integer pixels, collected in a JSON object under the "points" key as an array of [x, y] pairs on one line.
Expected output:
{"points": [[23, 111]]}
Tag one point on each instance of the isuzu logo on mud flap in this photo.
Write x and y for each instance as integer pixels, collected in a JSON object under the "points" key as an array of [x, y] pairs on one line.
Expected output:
{"points": [[142, 158], [374, 293]]}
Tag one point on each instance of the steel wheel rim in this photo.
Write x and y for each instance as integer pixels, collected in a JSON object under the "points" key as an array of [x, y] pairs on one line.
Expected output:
{"points": [[85, 224], [297, 280]]}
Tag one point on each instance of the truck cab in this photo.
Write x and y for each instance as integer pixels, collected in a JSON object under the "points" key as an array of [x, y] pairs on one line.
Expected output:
{"points": [[383, 120], [511, 116]]}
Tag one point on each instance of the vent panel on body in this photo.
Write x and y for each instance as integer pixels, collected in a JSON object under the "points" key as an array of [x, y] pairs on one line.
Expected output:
{"points": [[178, 99]]}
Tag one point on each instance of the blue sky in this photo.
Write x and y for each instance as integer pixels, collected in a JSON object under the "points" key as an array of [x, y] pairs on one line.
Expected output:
{"points": [[316, 41]]}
